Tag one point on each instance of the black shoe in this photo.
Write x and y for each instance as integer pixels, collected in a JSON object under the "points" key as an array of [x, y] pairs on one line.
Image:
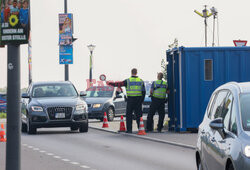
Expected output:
{"points": [[129, 131]]}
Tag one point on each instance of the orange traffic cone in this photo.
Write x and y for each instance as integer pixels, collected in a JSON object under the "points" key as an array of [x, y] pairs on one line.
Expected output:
{"points": [[122, 125], [141, 128], [2, 134], [105, 121]]}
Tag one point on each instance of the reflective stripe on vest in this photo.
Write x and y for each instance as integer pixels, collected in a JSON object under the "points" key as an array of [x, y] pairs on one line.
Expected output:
{"points": [[134, 86], [160, 89]]}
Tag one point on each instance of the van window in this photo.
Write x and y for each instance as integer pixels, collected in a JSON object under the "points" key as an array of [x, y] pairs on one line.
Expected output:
{"points": [[245, 110], [217, 109], [211, 102], [233, 123], [226, 110]]}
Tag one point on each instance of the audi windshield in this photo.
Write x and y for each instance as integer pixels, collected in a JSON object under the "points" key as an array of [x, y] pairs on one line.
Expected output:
{"points": [[57, 90]]}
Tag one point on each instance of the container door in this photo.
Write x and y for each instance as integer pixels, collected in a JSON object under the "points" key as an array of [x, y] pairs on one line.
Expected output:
{"points": [[172, 78]]}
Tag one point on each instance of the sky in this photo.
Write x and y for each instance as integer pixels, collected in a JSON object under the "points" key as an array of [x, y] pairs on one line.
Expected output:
{"points": [[127, 34]]}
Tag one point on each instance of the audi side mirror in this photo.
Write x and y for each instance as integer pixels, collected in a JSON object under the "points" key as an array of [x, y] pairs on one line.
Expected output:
{"points": [[83, 93], [118, 96], [25, 95]]}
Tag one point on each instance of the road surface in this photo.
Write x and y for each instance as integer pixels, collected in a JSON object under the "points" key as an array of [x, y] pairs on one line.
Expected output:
{"points": [[58, 148]]}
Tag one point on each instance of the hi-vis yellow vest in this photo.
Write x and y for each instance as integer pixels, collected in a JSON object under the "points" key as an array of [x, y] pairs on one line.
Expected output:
{"points": [[134, 86], [160, 89]]}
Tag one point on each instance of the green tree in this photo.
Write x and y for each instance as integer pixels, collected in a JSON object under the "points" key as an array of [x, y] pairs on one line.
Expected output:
{"points": [[164, 62], [164, 69]]}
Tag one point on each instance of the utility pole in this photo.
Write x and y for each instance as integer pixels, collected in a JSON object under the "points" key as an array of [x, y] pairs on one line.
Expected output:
{"points": [[66, 66], [13, 147], [205, 14]]}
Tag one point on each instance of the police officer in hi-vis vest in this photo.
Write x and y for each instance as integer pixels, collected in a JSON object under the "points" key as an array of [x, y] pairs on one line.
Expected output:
{"points": [[135, 89], [158, 95]]}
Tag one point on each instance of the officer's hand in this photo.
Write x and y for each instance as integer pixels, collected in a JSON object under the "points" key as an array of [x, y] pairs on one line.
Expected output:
{"points": [[109, 83]]}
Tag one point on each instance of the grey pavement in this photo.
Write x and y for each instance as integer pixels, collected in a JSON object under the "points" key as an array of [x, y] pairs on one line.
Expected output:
{"points": [[183, 139]]}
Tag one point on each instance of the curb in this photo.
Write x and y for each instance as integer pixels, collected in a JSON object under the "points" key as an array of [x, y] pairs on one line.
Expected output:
{"points": [[147, 138]]}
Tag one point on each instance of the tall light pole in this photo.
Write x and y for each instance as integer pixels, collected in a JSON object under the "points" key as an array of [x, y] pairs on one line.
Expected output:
{"points": [[30, 59], [91, 49], [215, 14], [66, 66], [205, 14]]}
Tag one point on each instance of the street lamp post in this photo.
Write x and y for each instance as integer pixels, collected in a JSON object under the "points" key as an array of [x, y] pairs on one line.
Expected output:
{"points": [[205, 14], [66, 66], [215, 14], [91, 49]]}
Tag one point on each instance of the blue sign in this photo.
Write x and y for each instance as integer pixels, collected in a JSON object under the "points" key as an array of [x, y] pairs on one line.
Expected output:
{"points": [[66, 54]]}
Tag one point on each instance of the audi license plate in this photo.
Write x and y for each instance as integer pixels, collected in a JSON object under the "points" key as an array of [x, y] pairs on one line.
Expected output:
{"points": [[60, 115]]}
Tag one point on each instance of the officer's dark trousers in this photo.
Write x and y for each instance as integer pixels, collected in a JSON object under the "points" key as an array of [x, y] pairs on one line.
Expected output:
{"points": [[156, 105], [134, 104]]}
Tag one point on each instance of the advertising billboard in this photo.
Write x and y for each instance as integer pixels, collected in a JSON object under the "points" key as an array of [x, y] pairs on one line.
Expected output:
{"points": [[15, 23], [65, 29]]}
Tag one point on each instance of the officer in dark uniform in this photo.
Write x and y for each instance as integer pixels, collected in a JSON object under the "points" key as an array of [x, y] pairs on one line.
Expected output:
{"points": [[158, 95], [135, 96]]}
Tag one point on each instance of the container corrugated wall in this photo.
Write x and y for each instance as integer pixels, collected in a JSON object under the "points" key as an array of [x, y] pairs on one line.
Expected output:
{"points": [[190, 91]]}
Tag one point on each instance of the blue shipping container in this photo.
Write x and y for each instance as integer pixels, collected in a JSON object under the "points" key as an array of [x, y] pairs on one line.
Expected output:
{"points": [[194, 73]]}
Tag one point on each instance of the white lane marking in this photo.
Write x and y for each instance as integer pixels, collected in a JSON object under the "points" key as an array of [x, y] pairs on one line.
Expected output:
{"points": [[74, 163], [84, 166], [57, 157]]}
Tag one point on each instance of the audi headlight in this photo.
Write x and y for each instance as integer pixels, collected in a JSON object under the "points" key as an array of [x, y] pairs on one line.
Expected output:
{"points": [[36, 108], [81, 108], [247, 151], [96, 105]]}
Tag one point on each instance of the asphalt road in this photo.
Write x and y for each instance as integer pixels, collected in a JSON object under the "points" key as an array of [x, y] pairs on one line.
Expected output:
{"points": [[58, 148]]}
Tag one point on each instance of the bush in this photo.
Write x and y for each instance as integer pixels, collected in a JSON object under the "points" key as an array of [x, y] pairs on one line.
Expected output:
{"points": [[3, 115]]}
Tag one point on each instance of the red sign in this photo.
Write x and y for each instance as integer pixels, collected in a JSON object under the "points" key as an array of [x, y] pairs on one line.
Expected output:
{"points": [[102, 77], [240, 43]]}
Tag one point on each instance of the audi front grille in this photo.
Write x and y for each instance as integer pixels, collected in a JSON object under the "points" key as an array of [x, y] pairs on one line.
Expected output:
{"points": [[52, 111]]}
